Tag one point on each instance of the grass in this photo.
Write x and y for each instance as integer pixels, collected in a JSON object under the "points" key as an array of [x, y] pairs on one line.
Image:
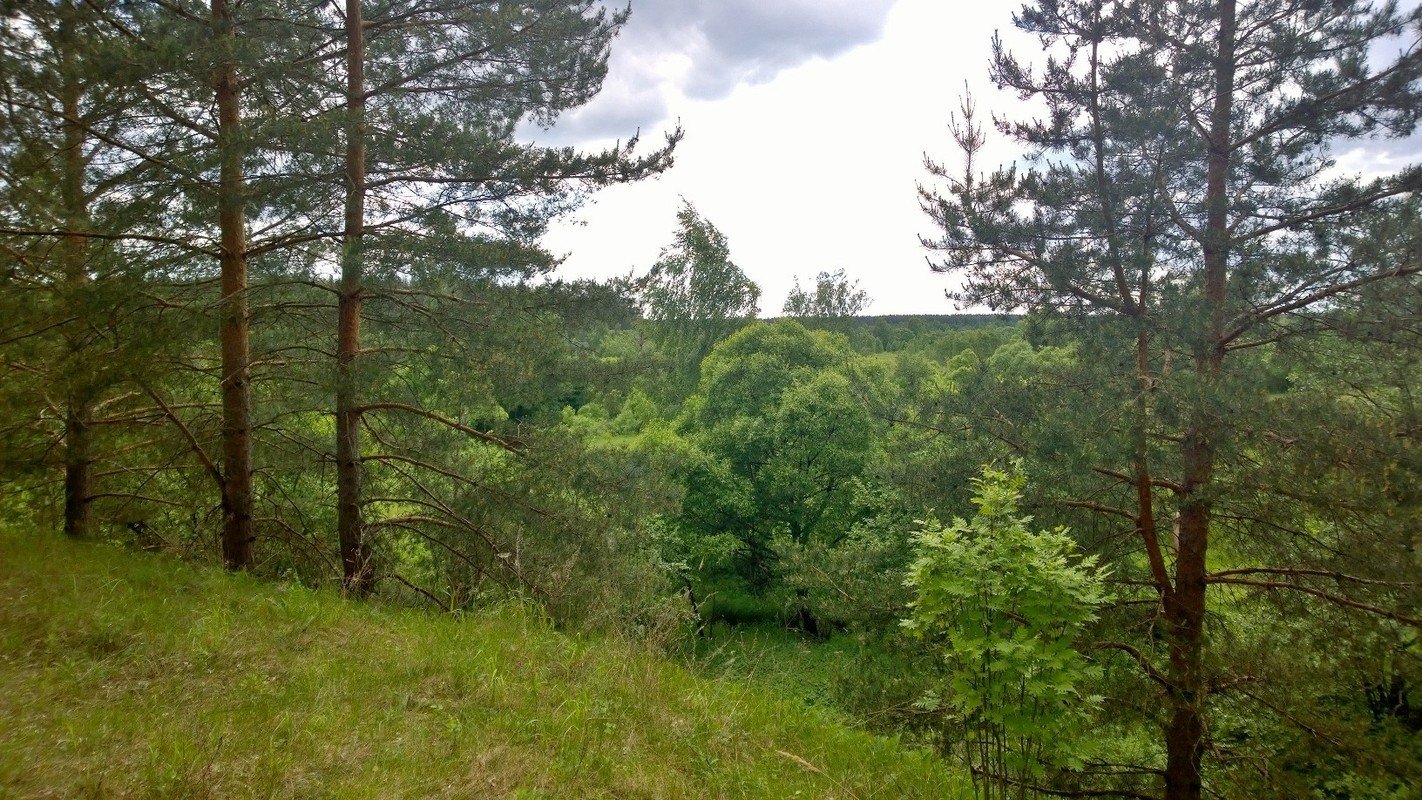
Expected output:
{"points": [[790, 665], [129, 675]]}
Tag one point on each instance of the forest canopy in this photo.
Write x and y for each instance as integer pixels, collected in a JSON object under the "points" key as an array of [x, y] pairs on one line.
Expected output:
{"points": [[274, 295]]}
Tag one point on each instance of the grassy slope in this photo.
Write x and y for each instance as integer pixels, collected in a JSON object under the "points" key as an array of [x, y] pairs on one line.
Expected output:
{"points": [[130, 675]]}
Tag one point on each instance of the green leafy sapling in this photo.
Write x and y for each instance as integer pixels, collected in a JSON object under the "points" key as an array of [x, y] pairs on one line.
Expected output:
{"points": [[1003, 607]]}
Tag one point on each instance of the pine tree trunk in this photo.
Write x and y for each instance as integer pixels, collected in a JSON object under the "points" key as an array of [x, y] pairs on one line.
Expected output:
{"points": [[1185, 613], [77, 471], [74, 252], [237, 534], [355, 555]]}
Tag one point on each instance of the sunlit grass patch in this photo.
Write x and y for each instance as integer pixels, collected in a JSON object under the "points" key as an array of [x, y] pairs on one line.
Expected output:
{"points": [[127, 675]]}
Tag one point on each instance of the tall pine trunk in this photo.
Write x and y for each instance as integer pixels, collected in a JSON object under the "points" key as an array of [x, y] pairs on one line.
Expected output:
{"points": [[355, 554], [1185, 612], [73, 250], [237, 534]]}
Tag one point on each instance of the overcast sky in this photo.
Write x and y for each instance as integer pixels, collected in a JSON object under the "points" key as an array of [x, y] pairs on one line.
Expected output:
{"points": [[806, 123]]}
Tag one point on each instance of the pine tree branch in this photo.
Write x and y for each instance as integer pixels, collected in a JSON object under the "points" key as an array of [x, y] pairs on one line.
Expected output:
{"points": [[1128, 793], [39, 332], [193, 444], [1253, 318], [1352, 96], [1150, 670], [185, 244], [1331, 598], [1295, 721], [1099, 507], [452, 475], [1124, 478], [1410, 182], [410, 523], [511, 446], [1321, 573], [421, 590]]}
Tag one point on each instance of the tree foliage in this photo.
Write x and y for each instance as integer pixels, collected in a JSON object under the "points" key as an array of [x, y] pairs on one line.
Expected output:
{"points": [[1213, 393], [1178, 201], [783, 436], [695, 294], [834, 296], [1005, 608]]}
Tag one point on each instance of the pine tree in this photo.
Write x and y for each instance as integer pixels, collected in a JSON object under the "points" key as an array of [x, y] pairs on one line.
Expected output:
{"points": [[72, 202], [434, 96], [169, 150], [1179, 194], [237, 534]]}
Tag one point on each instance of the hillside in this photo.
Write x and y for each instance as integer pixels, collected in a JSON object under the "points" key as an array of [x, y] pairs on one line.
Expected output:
{"points": [[127, 675]]}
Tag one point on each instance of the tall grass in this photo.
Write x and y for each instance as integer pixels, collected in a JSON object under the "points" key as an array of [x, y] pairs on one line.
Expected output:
{"points": [[127, 675]]}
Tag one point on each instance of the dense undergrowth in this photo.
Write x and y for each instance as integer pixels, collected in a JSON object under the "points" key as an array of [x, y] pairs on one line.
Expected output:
{"points": [[126, 675]]}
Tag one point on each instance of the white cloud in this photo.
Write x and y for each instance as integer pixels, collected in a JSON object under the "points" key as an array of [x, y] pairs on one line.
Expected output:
{"points": [[812, 170], [1375, 157], [816, 168], [672, 50]]}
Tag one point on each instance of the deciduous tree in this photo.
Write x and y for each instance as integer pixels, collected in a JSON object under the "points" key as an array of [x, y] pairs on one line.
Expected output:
{"points": [[834, 296], [694, 293]]}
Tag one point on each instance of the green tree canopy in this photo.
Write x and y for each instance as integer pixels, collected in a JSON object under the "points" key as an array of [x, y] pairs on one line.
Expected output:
{"points": [[695, 294], [834, 296], [784, 436], [1003, 608]]}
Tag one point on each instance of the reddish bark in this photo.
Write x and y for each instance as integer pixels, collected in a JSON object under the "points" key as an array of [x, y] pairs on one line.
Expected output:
{"points": [[237, 536], [1185, 608]]}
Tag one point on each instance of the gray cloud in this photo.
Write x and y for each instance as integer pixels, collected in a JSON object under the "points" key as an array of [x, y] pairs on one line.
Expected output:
{"points": [[753, 41], [704, 49], [618, 112]]}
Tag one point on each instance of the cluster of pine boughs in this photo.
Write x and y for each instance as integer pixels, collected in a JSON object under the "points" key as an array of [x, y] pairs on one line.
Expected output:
{"points": [[226, 224], [271, 293]]}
